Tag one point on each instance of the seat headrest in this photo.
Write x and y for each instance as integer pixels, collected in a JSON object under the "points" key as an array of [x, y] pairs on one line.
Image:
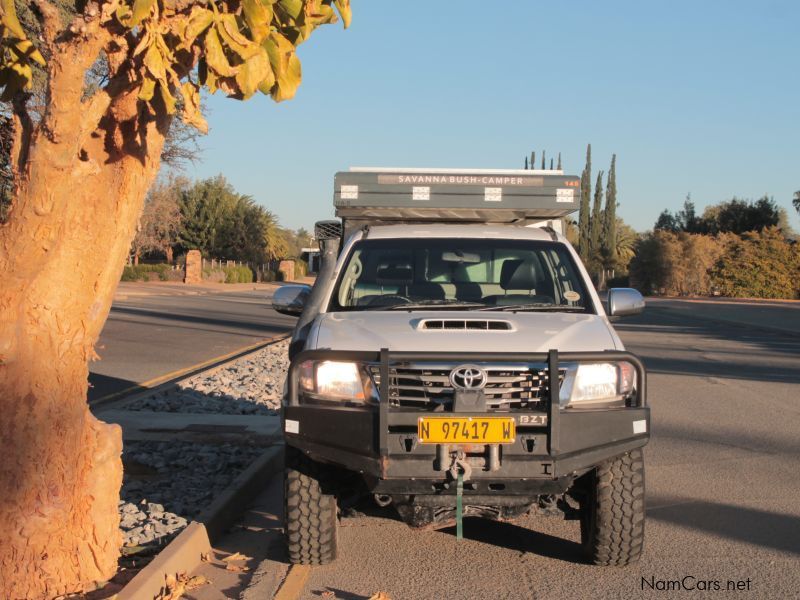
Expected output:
{"points": [[400, 273], [518, 274]]}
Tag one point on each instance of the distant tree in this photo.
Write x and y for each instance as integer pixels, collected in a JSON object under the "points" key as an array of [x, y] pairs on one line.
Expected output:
{"points": [[584, 215], [796, 201], [688, 219], [559, 161], [595, 244], [533, 160], [526, 163], [543, 160], [304, 238], [739, 216], [206, 209], [551, 163], [667, 222], [609, 241], [160, 222]]}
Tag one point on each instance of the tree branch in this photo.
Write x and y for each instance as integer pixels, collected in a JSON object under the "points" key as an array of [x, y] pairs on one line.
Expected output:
{"points": [[50, 20]]}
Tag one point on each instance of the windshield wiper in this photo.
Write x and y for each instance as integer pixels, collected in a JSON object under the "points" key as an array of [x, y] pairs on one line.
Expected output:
{"points": [[434, 304], [534, 306]]}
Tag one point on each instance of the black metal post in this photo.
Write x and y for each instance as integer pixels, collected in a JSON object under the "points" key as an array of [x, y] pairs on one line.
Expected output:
{"points": [[554, 407]]}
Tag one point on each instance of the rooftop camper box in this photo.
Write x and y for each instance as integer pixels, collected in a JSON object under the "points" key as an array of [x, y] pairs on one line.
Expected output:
{"points": [[377, 196]]}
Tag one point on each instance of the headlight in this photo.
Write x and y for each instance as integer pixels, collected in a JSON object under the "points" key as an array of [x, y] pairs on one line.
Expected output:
{"points": [[332, 380], [605, 385]]}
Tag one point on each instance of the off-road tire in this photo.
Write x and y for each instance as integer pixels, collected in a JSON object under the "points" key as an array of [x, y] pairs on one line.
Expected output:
{"points": [[311, 517], [612, 511]]}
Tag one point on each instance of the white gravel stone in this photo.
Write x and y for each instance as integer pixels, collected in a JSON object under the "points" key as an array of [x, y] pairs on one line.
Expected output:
{"points": [[252, 385]]}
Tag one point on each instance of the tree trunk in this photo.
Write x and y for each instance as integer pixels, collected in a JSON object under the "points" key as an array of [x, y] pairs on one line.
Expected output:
{"points": [[136, 258], [61, 256], [169, 253]]}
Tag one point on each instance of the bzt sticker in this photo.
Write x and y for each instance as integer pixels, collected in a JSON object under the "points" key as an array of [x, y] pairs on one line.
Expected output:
{"points": [[640, 426], [292, 426], [533, 419]]}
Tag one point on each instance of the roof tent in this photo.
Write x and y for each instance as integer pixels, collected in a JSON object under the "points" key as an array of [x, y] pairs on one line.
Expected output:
{"points": [[383, 196]]}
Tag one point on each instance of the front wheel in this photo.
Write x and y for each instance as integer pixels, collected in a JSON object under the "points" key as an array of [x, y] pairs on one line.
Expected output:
{"points": [[612, 511], [311, 515]]}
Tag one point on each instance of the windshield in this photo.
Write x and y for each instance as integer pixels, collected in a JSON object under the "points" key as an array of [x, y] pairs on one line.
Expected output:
{"points": [[459, 274]]}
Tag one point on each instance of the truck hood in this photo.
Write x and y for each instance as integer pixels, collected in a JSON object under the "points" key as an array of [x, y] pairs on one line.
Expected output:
{"points": [[404, 331]]}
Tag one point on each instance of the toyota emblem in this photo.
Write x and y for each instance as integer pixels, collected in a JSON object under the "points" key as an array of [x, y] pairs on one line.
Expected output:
{"points": [[468, 377]]}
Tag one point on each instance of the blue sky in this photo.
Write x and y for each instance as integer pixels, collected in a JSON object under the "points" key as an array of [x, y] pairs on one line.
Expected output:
{"points": [[699, 97]]}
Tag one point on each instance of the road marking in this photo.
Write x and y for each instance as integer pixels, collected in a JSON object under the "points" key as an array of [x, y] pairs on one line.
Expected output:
{"points": [[292, 586], [142, 386]]}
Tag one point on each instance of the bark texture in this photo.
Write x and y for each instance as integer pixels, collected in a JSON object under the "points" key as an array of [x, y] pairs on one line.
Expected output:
{"points": [[81, 180]]}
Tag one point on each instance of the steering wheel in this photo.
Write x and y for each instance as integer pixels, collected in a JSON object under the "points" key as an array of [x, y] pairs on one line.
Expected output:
{"points": [[389, 300]]}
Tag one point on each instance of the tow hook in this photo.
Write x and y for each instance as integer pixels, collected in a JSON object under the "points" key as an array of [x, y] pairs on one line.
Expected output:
{"points": [[460, 466]]}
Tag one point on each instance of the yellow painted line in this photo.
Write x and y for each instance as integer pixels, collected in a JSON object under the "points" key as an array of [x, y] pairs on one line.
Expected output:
{"points": [[180, 372], [292, 586]]}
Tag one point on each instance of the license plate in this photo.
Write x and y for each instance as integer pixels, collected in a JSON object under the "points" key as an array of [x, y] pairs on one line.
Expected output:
{"points": [[466, 430]]}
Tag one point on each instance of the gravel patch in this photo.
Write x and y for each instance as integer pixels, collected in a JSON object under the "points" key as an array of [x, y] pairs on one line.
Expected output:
{"points": [[166, 484], [252, 385]]}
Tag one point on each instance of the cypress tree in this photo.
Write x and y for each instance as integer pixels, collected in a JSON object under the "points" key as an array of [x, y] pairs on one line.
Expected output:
{"points": [[595, 243], [583, 215], [551, 164], [542, 160], [533, 160], [610, 217], [526, 163], [559, 161]]}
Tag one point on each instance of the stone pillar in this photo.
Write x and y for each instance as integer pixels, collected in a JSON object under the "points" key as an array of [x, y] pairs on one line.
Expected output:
{"points": [[286, 268], [194, 267]]}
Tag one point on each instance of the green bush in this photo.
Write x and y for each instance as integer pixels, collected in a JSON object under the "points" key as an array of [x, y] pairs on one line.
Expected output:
{"points": [[240, 274], [300, 268], [758, 265], [146, 272]]}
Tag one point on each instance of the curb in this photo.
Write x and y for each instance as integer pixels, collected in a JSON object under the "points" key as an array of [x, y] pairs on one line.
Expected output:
{"points": [[184, 553]]}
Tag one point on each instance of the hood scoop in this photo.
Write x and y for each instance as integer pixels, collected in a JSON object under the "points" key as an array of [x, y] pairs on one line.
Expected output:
{"points": [[464, 324]]}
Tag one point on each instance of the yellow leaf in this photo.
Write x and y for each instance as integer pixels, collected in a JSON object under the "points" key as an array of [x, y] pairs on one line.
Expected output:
{"points": [[279, 50], [228, 28], [343, 6], [198, 21], [148, 89], [141, 10], [24, 49], [258, 17], [286, 83], [254, 70], [167, 98], [215, 55], [10, 20], [191, 113], [292, 8], [155, 63]]}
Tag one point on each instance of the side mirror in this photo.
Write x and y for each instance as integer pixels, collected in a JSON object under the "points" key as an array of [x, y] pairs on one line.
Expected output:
{"points": [[624, 301], [291, 299]]}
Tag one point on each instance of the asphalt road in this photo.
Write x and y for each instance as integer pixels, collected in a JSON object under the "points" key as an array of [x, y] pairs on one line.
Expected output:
{"points": [[149, 336], [723, 482]]}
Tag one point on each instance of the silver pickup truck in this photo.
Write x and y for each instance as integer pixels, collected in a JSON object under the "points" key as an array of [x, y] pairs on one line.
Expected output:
{"points": [[423, 362]]}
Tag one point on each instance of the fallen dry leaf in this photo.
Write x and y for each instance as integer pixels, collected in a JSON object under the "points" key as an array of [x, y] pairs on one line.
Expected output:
{"points": [[236, 556], [206, 557], [236, 568], [328, 594], [177, 585], [380, 596]]}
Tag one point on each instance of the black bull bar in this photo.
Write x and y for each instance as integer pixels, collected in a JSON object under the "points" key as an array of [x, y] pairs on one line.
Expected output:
{"points": [[358, 437]]}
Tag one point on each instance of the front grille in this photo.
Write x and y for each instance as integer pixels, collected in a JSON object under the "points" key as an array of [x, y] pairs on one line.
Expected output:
{"points": [[428, 387]]}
